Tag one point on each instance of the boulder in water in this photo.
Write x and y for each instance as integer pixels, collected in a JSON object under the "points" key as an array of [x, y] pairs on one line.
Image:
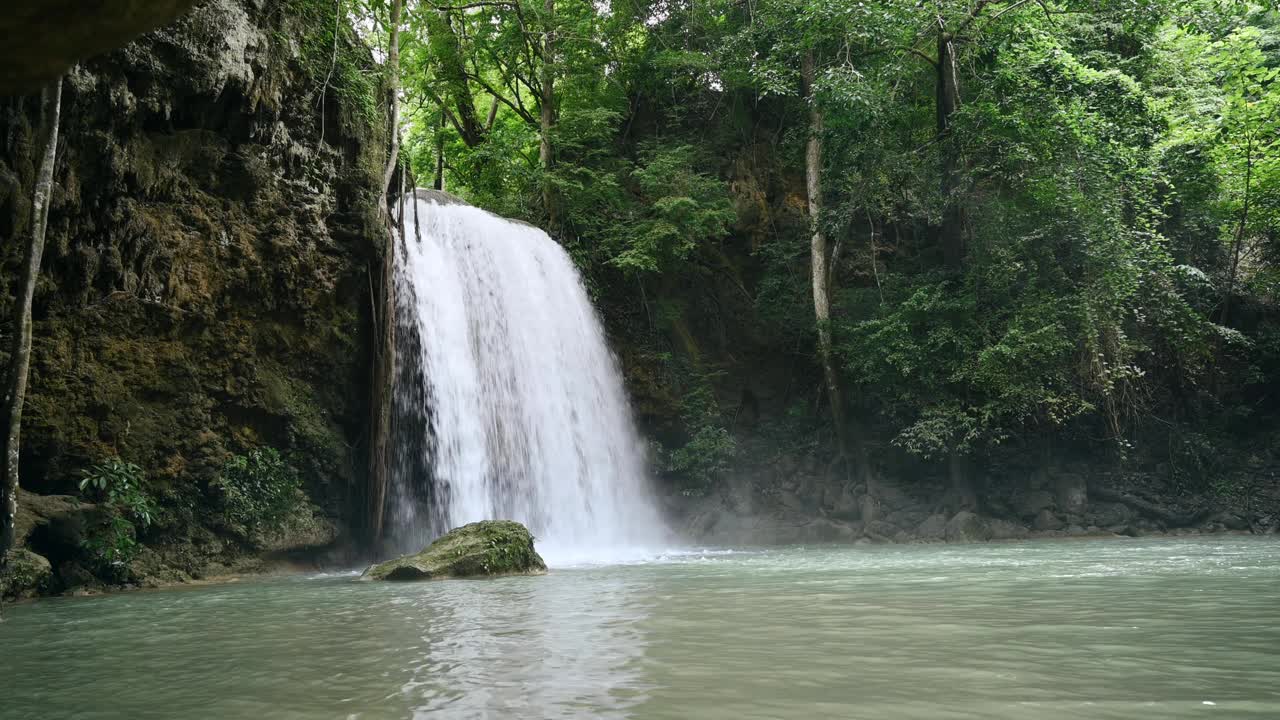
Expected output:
{"points": [[1006, 530], [933, 528], [965, 527], [486, 548], [1029, 504], [1046, 521], [23, 574]]}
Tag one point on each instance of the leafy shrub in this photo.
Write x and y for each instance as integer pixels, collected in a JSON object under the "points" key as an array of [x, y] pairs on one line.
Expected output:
{"points": [[704, 458], [679, 209], [701, 460], [258, 489], [118, 486]]}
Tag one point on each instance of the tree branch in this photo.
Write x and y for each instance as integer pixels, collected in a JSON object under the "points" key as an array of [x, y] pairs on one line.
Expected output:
{"points": [[529, 118], [474, 5]]}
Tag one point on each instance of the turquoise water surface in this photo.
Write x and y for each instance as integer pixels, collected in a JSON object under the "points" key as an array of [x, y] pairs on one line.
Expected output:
{"points": [[1167, 628]]}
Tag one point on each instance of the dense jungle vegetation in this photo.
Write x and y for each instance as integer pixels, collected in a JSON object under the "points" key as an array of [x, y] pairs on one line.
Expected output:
{"points": [[976, 223]]}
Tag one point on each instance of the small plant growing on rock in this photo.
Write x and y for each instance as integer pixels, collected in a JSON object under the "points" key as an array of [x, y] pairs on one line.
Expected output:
{"points": [[118, 486], [258, 489]]}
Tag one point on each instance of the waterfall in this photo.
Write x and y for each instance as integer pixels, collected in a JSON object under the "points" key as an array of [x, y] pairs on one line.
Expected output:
{"points": [[507, 403]]}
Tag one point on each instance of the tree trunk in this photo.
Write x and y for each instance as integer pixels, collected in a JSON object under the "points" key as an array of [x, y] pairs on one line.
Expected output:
{"points": [[382, 298], [818, 253], [951, 234], [438, 183], [962, 489], [547, 117], [452, 79], [384, 323], [493, 115], [1238, 240], [393, 101], [20, 354]]}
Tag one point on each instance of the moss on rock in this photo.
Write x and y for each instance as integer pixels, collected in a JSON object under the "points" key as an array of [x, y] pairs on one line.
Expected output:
{"points": [[23, 574], [487, 548]]}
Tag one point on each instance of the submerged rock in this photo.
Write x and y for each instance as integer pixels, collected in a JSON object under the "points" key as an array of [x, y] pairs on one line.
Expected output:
{"points": [[486, 548]]}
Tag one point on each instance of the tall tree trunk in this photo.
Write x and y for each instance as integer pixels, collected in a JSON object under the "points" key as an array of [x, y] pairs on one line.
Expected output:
{"points": [[452, 80], [383, 304], [1238, 241], [393, 102], [547, 116], [438, 182], [818, 252], [384, 323], [493, 115], [962, 488], [20, 353], [951, 234]]}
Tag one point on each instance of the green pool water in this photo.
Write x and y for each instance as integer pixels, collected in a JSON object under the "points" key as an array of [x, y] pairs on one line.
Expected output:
{"points": [[1170, 628]]}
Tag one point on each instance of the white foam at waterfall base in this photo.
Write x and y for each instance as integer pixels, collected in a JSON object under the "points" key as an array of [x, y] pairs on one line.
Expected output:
{"points": [[518, 398]]}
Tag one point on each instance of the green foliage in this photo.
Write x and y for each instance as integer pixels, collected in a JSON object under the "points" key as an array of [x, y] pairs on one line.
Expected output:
{"points": [[339, 66], [704, 458], [676, 209], [952, 392], [118, 487], [706, 454], [258, 489], [1111, 167]]}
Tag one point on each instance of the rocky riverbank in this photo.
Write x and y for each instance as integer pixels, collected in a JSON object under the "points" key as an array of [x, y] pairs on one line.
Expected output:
{"points": [[1063, 502], [54, 532]]}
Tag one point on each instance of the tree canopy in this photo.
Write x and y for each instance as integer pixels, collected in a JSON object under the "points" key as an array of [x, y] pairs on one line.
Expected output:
{"points": [[1045, 216]]}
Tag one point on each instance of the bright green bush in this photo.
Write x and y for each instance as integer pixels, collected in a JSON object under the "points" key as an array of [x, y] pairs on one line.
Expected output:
{"points": [[703, 459], [119, 488]]}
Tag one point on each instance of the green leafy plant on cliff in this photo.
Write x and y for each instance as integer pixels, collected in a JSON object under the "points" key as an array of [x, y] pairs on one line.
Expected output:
{"points": [[258, 489], [678, 207], [341, 66], [706, 455], [119, 487], [704, 458]]}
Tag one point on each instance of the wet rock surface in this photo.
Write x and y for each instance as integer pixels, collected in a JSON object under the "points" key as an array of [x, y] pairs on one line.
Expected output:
{"points": [[483, 549]]}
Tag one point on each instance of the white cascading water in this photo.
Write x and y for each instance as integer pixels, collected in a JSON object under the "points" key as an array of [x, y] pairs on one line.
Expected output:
{"points": [[507, 402]]}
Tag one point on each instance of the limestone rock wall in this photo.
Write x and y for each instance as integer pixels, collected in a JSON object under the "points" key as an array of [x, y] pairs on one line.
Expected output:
{"points": [[205, 286]]}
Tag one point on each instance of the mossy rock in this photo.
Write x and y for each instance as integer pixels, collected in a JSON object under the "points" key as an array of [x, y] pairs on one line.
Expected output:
{"points": [[487, 548], [24, 574]]}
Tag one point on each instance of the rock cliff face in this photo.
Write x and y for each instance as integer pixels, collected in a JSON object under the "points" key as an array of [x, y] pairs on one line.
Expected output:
{"points": [[205, 287], [40, 39]]}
